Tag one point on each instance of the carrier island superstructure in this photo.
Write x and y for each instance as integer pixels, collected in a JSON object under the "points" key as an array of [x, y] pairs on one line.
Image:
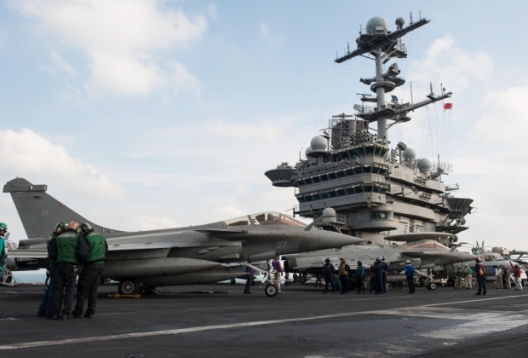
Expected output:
{"points": [[379, 193]]}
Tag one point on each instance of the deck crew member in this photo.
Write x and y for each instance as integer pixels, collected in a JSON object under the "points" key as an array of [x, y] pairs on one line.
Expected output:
{"points": [[360, 277], [3, 232], [480, 272], [468, 276], [71, 250], [409, 273], [46, 305], [458, 277], [90, 276], [328, 269], [498, 276], [343, 275], [278, 271]]}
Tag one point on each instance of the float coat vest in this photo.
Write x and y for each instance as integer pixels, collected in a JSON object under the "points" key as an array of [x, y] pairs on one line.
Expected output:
{"points": [[98, 248], [66, 247]]}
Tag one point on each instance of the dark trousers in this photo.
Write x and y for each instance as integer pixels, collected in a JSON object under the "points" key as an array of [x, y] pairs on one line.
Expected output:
{"points": [[344, 283], [64, 288], [249, 281], [378, 283], [481, 281], [329, 281], [89, 280], [360, 284], [410, 281], [46, 305], [384, 282]]}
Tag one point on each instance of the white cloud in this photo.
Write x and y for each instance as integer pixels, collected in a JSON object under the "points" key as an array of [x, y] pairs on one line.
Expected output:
{"points": [[270, 37], [181, 79], [452, 65], [505, 120], [119, 37], [211, 9], [26, 154], [61, 65]]}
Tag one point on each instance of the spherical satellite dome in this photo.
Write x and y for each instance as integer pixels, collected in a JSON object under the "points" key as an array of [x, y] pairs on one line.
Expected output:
{"points": [[409, 153], [318, 143], [329, 215], [424, 164], [377, 25], [308, 151]]}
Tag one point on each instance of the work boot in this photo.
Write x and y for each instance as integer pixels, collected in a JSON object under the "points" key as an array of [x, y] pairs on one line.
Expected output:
{"points": [[88, 315], [77, 315], [40, 314]]}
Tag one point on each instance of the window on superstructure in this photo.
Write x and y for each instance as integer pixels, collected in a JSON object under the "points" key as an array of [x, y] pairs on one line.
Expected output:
{"points": [[368, 188], [323, 177], [332, 175], [316, 196], [357, 170], [349, 191], [324, 195], [332, 194], [349, 172], [316, 179], [340, 174], [307, 180], [367, 169], [308, 198]]}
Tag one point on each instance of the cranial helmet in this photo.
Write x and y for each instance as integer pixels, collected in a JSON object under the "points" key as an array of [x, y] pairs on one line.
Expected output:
{"points": [[327, 259], [408, 261], [3, 226], [60, 227], [477, 259], [360, 263], [85, 227]]}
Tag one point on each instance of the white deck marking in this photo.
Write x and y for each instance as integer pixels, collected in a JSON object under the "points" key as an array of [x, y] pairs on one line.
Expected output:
{"points": [[499, 319]]}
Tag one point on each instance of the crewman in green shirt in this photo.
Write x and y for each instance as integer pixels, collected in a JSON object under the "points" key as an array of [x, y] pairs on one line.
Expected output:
{"points": [[71, 251], [90, 277]]}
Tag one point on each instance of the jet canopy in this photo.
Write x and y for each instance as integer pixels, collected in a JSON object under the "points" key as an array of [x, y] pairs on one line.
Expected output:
{"points": [[426, 244], [264, 218]]}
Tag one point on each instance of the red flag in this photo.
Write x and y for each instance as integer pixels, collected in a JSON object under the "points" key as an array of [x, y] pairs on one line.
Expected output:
{"points": [[448, 106]]}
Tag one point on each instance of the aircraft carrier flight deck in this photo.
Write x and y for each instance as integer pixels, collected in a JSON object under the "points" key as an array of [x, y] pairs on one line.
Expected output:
{"points": [[221, 321]]}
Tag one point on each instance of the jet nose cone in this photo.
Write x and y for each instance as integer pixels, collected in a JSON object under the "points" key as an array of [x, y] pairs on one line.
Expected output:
{"points": [[336, 240], [462, 256]]}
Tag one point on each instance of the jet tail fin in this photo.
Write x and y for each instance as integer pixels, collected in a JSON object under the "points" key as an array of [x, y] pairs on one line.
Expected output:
{"points": [[40, 212]]}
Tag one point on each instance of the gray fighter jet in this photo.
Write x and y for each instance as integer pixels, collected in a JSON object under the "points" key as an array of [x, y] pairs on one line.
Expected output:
{"points": [[191, 255], [423, 254]]}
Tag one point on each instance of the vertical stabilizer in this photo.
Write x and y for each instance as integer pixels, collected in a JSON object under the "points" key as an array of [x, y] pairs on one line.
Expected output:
{"points": [[40, 212]]}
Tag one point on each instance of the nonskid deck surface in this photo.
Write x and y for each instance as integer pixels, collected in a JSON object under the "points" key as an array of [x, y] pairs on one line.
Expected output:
{"points": [[301, 322]]}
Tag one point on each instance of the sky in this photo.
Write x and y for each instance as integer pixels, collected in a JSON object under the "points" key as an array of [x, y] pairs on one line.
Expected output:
{"points": [[153, 114]]}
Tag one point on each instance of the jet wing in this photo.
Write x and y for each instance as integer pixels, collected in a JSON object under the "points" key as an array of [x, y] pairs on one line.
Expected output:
{"points": [[416, 236], [221, 232]]}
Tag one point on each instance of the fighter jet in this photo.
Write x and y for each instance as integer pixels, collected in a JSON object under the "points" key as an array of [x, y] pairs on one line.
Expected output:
{"points": [[422, 254], [189, 255]]}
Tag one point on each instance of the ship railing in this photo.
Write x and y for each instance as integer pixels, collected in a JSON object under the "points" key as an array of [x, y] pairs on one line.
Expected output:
{"points": [[363, 108]]}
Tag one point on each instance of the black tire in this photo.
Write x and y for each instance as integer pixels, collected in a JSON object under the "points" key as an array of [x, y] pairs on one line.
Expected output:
{"points": [[450, 282], [270, 290], [431, 286], [232, 282], [129, 287]]}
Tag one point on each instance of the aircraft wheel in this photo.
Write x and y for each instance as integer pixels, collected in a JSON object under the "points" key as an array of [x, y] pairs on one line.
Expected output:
{"points": [[270, 290], [431, 286], [129, 287], [232, 281], [450, 282]]}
